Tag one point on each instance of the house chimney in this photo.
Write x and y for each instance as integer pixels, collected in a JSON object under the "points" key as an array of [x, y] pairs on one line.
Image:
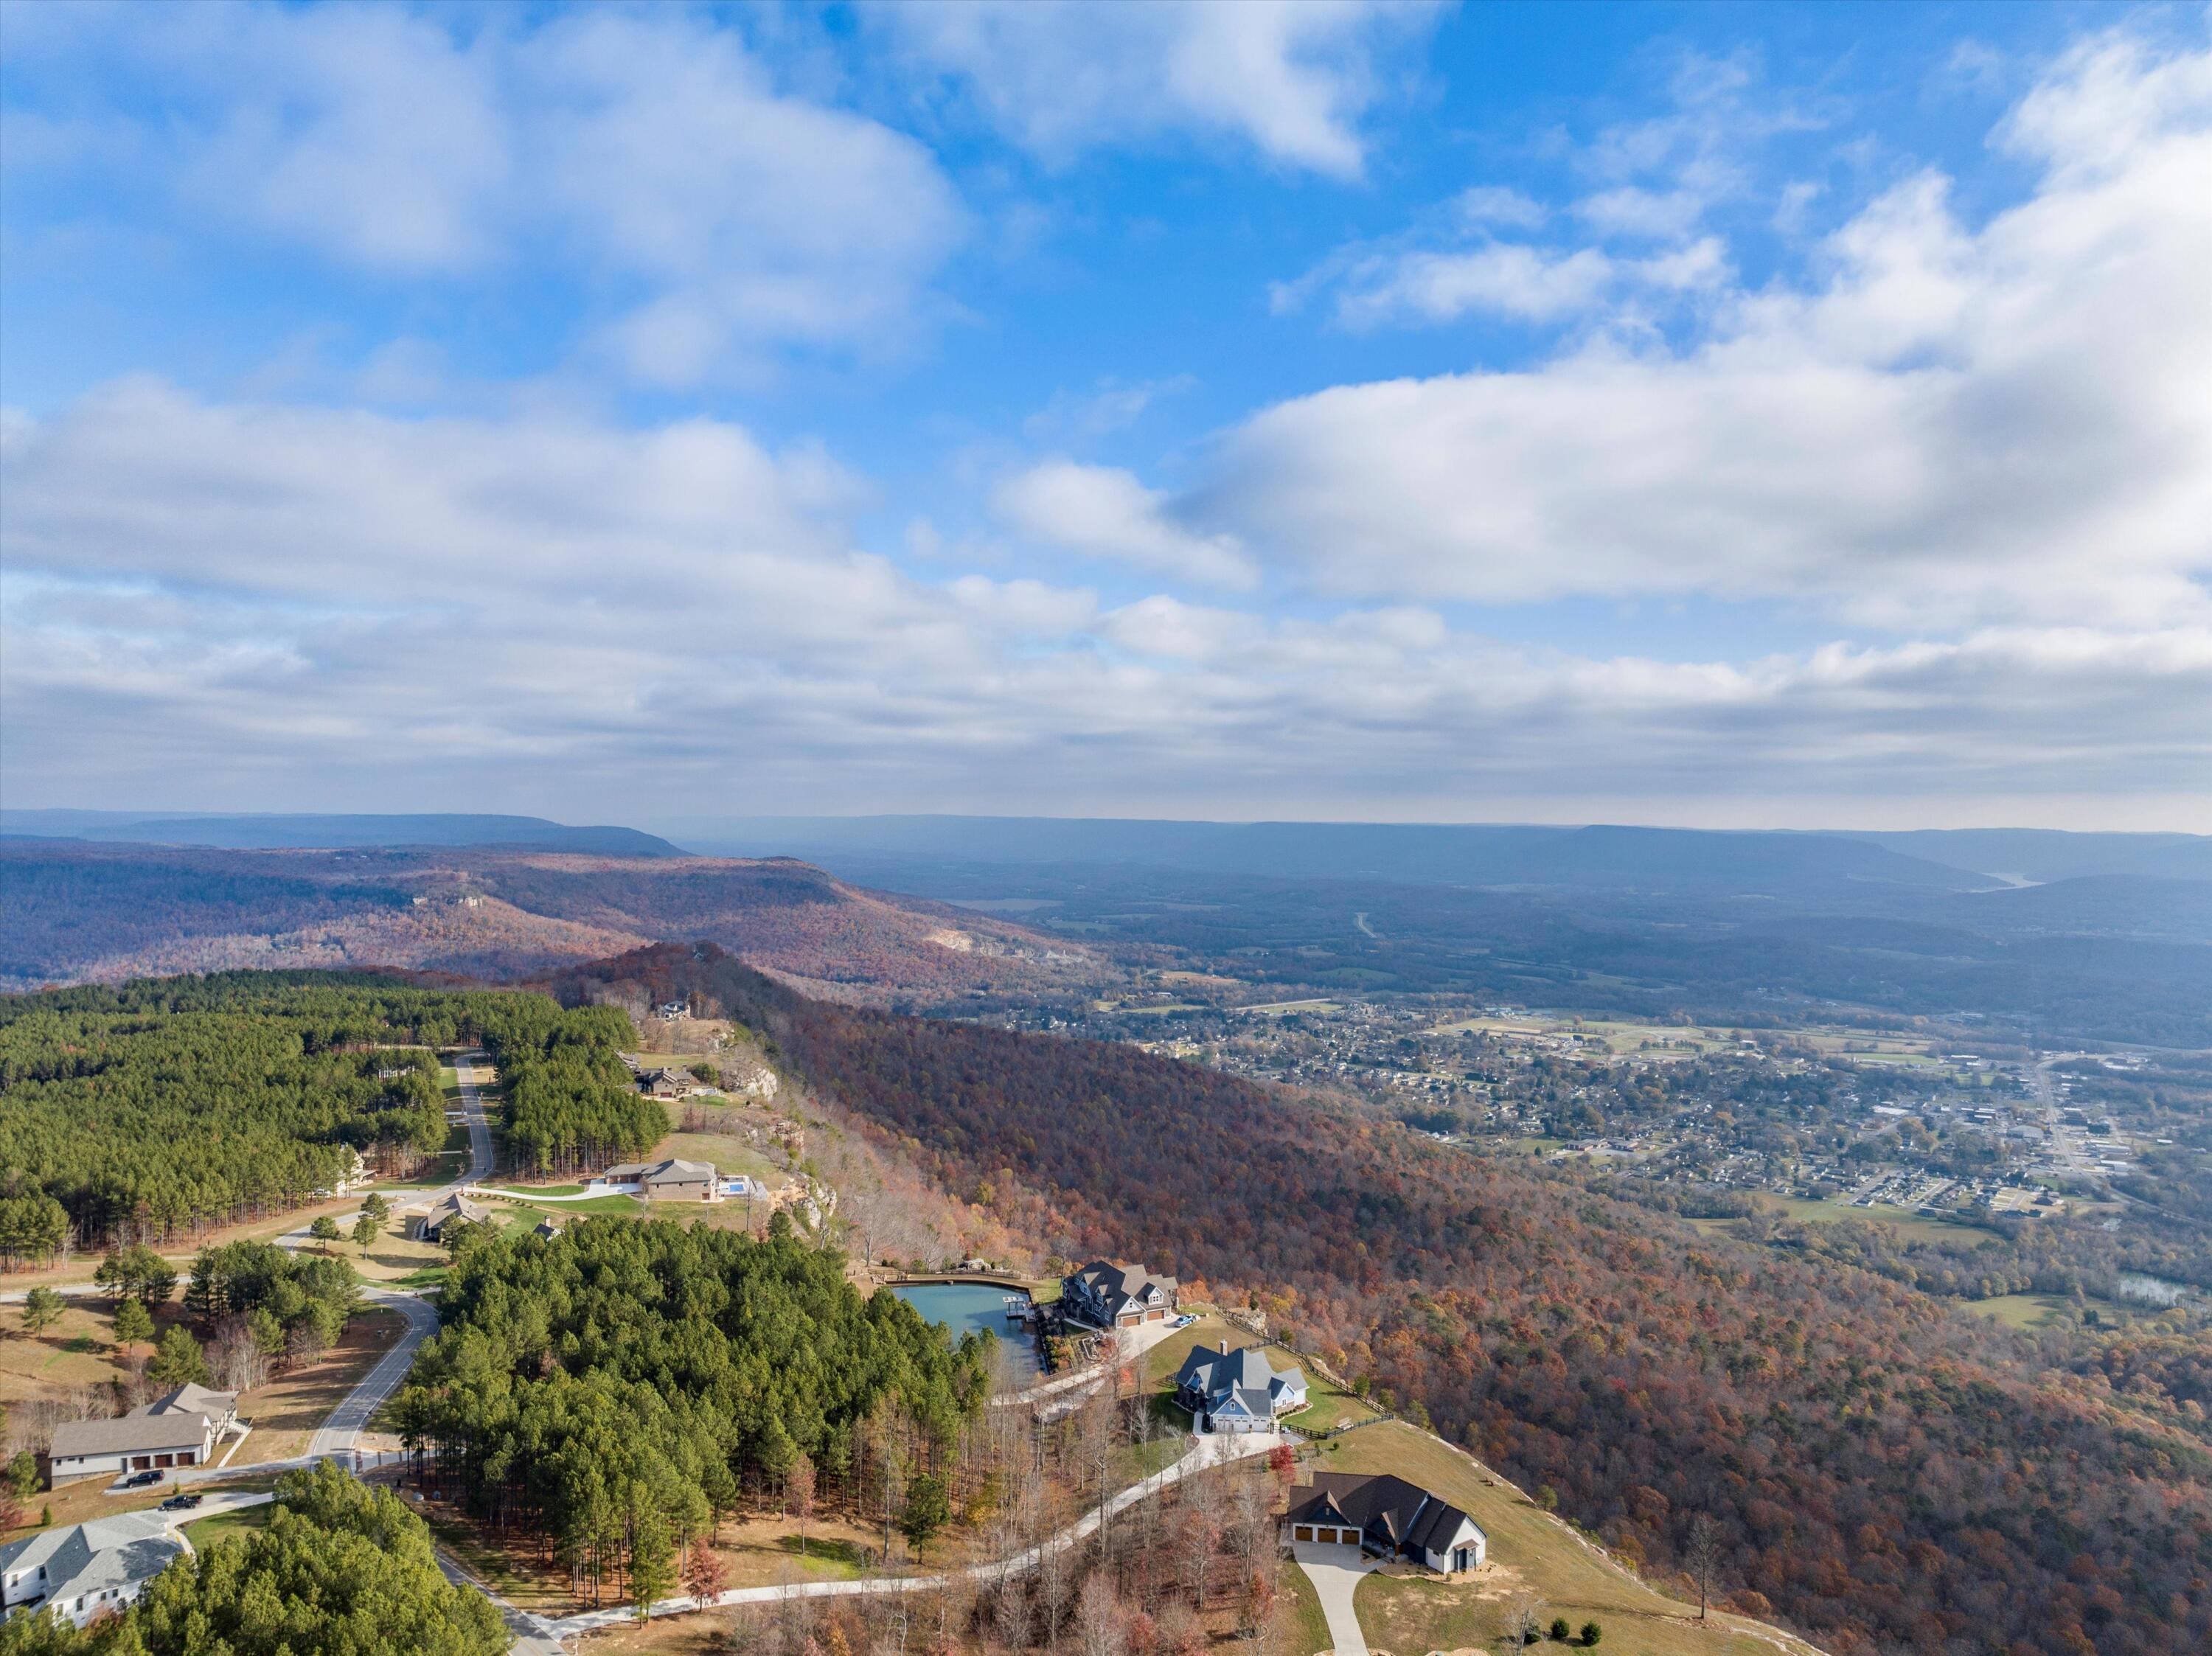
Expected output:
{"points": [[1225, 1345]]}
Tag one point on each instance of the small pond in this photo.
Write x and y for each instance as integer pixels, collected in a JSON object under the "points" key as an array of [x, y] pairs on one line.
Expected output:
{"points": [[962, 1306]]}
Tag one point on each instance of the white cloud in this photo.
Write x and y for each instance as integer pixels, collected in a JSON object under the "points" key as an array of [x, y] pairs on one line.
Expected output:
{"points": [[1291, 77], [1513, 281], [1103, 513], [1487, 205], [648, 154], [1953, 425], [207, 603]]}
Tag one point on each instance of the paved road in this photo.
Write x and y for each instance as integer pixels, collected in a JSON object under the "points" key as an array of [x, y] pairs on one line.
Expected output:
{"points": [[472, 1113], [1334, 1572], [533, 1634], [341, 1434]]}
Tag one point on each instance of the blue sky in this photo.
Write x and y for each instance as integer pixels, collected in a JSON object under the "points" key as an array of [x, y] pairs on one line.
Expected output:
{"points": [[1701, 414]]}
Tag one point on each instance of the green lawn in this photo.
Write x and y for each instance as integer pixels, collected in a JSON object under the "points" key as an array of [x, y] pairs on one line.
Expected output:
{"points": [[203, 1532], [1300, 1627], [2017, 1310], [826, 1559]]}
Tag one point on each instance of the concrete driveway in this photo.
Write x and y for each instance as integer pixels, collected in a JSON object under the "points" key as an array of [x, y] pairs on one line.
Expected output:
{"points": [[1334, 1572]]}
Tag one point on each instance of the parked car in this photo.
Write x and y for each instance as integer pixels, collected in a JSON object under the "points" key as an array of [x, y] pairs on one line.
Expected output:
{"points": [[138, 1480], [182, 1503]]}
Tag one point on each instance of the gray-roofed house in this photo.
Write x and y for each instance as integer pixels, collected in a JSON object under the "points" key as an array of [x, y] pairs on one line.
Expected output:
{"points": [[669, 1082], [1229, 1391], [431, 1226], [672, 1180], [180, 1428], [1106, 1293], [1386, 1515], [86, 1570]]}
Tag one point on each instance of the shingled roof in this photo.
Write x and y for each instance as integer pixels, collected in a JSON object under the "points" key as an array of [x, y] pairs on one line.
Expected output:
{"points": [[1406, 1513]]}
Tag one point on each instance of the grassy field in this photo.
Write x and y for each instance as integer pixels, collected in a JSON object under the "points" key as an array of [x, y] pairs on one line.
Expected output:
{"points": [[1913, 1226], [203, 1532], [624, 1204], [1531, 1553], [729, 1152], [2018, 1310]]}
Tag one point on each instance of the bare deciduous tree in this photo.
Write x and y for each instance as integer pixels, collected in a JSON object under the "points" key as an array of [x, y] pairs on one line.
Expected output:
{"points": [[1101, 1622], [1701, 1552]]}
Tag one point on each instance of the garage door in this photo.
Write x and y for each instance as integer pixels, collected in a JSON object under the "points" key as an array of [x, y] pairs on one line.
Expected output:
{"points": [[1302, 1532]]}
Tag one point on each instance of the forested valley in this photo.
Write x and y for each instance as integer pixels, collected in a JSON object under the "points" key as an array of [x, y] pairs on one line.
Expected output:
{"points": [[158, 1109], [1889, 1476]]}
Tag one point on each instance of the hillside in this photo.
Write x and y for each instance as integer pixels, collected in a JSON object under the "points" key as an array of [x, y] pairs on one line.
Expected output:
{"points": [[1889, 1476], [75, 910]]}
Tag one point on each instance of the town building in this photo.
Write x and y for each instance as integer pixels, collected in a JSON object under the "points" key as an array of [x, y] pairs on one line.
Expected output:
{"points": [[1107, 1294], [1386, 1515], [1229, 1391], [86, 1570]]}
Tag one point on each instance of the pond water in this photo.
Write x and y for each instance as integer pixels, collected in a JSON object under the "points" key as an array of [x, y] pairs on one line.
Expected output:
{"points": [[2151, 1291], [962, 1306]]}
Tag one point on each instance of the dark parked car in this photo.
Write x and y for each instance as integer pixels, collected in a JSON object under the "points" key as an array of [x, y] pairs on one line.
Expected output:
{"points": [[182, 1503], [136, 1479]]}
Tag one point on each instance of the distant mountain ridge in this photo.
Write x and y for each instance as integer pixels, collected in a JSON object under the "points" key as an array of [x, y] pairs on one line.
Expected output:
{"points": [[73, 910], [319, 831], [1600, 857]]}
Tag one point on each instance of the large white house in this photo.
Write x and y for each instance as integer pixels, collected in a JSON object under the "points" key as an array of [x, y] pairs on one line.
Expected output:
{"points": [[179, 1428], [86, 1570]]}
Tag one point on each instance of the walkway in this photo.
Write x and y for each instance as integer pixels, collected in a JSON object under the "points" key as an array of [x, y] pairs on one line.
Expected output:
{"points": [[1204, 1453], [1334, 1572]]}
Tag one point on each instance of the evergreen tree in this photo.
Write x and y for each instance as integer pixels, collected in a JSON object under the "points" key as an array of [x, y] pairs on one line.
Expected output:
{"points": [[134, 1324], [926, 1511], [42, 1309], [343, 1569], [177, 1361]]}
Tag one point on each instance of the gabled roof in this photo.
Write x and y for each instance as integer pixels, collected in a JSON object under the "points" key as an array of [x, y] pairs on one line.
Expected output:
{"points": [[1408, 1515], [676, 1171], [1111, 1281], [94, 1555], [1214, 1374], [131, 1434], [191, 1399], [673, 1171], [456, 1206]]}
